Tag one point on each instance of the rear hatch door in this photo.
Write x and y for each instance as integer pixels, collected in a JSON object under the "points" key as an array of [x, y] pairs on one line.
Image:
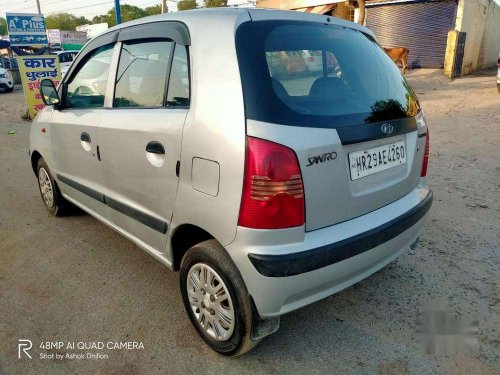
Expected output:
{"points": [[354, 124]]}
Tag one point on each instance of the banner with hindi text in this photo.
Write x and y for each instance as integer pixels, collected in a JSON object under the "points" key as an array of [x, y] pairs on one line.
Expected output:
{"points": [[33, 69]]}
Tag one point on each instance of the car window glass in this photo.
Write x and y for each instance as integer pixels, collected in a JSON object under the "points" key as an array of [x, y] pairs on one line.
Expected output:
{"points": [[142, 71], [332, 89], [296, 71], [178, 86], [88, 87], [306, 74]]}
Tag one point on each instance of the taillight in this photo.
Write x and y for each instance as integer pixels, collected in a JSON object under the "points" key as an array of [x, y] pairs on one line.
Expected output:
{"points": [[426, 155], [273, 194]]}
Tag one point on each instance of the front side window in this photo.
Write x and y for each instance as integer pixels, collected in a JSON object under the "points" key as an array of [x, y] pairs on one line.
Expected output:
{"points": [[142, 72], [178, 87], [87, 88]]}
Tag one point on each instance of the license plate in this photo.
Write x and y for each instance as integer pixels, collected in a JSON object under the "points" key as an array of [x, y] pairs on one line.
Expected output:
{"points": [[377, 159]]}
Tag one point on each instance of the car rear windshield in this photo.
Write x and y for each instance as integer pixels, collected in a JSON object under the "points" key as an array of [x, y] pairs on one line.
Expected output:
{"points": [[318, 75]]}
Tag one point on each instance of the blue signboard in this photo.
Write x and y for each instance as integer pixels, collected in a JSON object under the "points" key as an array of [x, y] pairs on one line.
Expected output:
{"points": [[26, 29]]}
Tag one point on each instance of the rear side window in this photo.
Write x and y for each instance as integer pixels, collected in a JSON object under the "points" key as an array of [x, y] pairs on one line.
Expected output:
{"points": [[309, 74], [87, 87], [178, 87], [142, 71]]}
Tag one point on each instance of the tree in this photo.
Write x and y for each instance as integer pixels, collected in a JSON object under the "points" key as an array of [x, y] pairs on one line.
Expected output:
{"points": [[215, 3], [129, 13], [155, 9], [65, 21], [100, 19], [3, 26], [187, 4]]}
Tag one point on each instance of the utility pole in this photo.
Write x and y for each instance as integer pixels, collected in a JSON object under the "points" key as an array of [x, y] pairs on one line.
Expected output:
{"points": [[38, 6], [118, 12], [164, 8]]}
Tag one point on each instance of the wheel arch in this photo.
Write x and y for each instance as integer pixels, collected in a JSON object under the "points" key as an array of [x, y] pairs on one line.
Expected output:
{"points": [[183, 238], [35, 156]]}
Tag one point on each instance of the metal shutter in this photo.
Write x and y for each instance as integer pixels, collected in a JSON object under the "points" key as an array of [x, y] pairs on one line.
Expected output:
{"points": [[421, 27]]}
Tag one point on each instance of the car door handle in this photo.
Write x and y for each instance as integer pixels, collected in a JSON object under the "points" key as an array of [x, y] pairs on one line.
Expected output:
{"points": [[155, 147], [85, 137]]}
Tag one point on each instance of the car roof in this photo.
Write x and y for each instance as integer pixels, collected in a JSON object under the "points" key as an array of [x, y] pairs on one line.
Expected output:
{"points": [[193, 17]]}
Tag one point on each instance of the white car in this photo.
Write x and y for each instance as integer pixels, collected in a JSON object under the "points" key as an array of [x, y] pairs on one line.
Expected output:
{"points": [[6, 82], [314, 60], [65, 59]]}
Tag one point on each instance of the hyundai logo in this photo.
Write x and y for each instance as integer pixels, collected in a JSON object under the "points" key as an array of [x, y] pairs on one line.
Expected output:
{"points": [[387, 128]]}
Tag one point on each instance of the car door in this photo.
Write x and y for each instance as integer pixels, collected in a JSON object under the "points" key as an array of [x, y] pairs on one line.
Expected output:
{"points": [[73, 131], [140, 136]]}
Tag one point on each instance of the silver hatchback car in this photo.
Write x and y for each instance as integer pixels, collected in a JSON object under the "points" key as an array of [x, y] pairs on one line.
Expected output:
{"points": [[267, 186]]}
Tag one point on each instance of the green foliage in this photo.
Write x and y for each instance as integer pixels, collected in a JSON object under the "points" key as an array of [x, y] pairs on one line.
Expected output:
{"points": [[3, 26], [65, 21], [187, 4], [100, 19], [152, 10], [129, 13], [215, 3]]}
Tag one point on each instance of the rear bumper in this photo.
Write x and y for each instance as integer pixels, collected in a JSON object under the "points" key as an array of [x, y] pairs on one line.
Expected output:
{"points": [[288, 270], [310, 260]]}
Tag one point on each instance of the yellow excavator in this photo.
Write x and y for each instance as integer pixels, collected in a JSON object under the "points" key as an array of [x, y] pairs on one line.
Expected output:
{"points": [[352, 10]]}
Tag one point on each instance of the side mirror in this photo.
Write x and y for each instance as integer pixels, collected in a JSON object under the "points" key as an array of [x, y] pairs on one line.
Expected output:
{"points": [[49, 92]]}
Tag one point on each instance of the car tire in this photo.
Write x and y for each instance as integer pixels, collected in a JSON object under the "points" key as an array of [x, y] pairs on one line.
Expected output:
{"points": [[51, 195], [9, 89], [209, 261]]}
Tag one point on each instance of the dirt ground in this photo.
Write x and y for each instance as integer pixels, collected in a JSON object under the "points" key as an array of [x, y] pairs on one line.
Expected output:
{"points": [[73, 279]]}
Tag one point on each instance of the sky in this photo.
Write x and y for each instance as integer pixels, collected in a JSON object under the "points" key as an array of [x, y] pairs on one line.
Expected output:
{"points": [[86, 8]]}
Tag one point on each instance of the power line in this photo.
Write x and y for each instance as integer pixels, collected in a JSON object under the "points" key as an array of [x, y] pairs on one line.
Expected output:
{"points": [[94, 12], [23, 8], [90, 6], [33, 6], [107, 2], [142, 4], [55, 2], [13, 3]]}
